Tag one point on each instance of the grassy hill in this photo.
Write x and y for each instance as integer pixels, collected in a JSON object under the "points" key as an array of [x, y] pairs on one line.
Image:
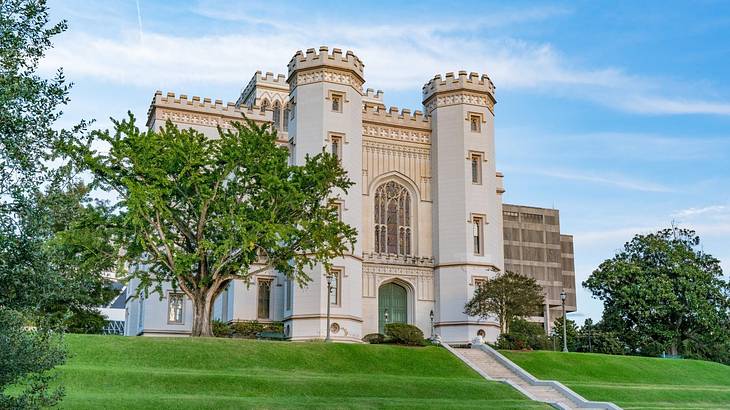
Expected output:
{"points": [[633, 382], [114, 372]]}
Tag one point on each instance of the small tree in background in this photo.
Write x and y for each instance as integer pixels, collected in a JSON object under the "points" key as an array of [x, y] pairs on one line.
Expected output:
{"points": [[507, 296], [200, 212], [571, 334]]}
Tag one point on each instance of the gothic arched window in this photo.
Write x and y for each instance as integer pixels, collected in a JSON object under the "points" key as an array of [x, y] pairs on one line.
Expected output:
{"points": [[264, 106], [277, 115], [393, 219]]}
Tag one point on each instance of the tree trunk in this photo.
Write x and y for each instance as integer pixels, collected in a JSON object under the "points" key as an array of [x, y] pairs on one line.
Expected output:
{"points": [[202, 310]]}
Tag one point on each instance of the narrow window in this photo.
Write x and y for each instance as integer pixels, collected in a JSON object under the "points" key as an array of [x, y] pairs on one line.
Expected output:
{"points": [[264, 106], [336, 146], [277, 116], [336, 275], [175, 308], [476, 169], [476, 123], [264, 299], [289, 295], [285, 124], [336, 103], [338, 209], [477, 224]]}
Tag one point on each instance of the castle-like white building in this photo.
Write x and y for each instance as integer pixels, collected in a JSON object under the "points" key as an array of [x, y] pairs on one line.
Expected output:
{"points": [[427, 204]]}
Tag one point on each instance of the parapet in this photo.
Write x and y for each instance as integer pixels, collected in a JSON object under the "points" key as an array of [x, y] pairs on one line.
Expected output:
{"points": [[205, 106], [311, 59], [373, 98], [394, 117], [268, 80], [462, 81]]}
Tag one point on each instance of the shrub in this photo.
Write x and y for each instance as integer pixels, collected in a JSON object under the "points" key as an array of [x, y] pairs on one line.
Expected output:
{"points": [[404, 334], [524, 335], [374, 338], [249, 329], [87, 321], [221, 329], [27, 356]]}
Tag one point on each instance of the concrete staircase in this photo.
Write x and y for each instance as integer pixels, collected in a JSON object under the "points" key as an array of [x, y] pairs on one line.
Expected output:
{"points": [[493, 366]]}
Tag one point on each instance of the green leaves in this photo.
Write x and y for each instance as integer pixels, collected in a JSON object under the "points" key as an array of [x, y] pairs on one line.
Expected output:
{"points": [[661, 291], [507, 296], [201, 212]]}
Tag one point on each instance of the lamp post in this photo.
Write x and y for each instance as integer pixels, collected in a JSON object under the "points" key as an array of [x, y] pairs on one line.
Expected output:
{"points": [[431, 315], [329, 304], [385, 315], [565, 339]]}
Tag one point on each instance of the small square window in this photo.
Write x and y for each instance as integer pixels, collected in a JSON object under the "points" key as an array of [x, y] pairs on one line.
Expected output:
{"points": [[336, 102], [479, 282], [175, 308], [476, 123], [476, 169]]}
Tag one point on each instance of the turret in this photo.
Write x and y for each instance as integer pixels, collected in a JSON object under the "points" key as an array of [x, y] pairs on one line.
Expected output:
{"points": [[325, 100], [467, 217]]}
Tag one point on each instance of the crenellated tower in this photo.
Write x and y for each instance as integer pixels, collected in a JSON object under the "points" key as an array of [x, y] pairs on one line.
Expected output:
{"points": [[325, 106], [467, 193]]}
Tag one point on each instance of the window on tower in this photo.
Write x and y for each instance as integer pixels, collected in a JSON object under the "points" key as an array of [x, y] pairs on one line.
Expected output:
{"points": [[478, 234], [476, 123], [336, 146], [336, 102], [476, 169]]}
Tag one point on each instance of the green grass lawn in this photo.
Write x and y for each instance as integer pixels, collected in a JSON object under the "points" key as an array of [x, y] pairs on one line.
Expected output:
{"points": [[633, 382], [112, 372]]}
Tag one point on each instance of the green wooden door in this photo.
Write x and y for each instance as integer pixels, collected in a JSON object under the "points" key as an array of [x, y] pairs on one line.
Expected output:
{"points": [[393, 299]]}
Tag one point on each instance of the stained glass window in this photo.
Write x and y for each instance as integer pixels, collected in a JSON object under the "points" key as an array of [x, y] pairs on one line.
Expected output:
{"points": [[392, 219]]}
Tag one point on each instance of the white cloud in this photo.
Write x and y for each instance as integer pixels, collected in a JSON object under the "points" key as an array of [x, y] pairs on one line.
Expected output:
{"points": [[399, 55]]}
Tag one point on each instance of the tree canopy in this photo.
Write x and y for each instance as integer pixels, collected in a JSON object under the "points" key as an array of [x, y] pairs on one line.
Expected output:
{"points": [[200, 212], [663, 293], [507, 296]]}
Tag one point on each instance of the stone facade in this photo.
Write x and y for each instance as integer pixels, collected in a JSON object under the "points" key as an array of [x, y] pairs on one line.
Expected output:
{"points": [[427, 202]]}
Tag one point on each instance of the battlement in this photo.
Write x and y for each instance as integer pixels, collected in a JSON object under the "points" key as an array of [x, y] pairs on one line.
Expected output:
{"points": [[461, 81], [205, 106], [373, 98], [311, 59], [395, 117]]}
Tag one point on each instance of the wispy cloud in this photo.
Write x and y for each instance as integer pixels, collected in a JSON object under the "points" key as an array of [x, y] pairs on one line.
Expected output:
{"points": [[693, 212], [413, 52], [611, 179]]}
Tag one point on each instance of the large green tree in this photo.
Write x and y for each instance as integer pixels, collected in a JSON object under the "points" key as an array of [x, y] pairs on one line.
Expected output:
{"points": [[508, 296], [201, 212], [29, 105], [662, 293]]}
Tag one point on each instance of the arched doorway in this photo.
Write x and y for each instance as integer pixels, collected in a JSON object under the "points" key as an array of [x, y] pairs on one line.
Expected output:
{"points": [[393, 299]]}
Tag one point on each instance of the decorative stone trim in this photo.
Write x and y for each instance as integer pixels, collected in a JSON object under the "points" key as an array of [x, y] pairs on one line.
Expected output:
{"points": [[460, 97], [396, 134], [326, 75], [389, 149]]}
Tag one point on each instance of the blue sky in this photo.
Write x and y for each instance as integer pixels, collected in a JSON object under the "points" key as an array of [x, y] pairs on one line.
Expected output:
{"points": [[618, 114]]}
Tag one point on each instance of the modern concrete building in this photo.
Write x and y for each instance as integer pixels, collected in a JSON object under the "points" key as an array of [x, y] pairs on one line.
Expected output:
{"points": [[534, 247], [427, 202]]}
